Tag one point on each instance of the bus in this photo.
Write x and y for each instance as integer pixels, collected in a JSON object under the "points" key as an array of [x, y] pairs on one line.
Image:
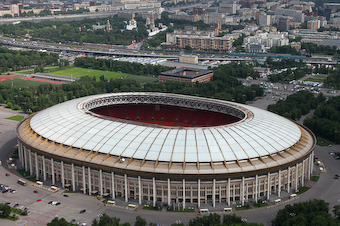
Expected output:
{"points": [[22, 182]]}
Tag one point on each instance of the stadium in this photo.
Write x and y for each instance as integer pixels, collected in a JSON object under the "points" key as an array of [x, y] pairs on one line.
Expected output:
{"points": [[161, 147]]}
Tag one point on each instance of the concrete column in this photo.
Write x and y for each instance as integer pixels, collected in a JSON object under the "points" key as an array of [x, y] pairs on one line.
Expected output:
{"points": [[169, 192], [228, 192], [30, 161], [73, 178], [84, 181], [62, 175], [268, 186], [242, 198], [296, 176], [279, 189], [21, 159], [44, 168], [126, 188], [312, 163], [52, 170], [309, 166], [113, 185], [214, 193], [256, 187], [288, 181], [140, 193], [89, 178], [183, 193], [199, 193], [154, 189], [303, 173], [25, 156], [36, 166], [101, 182]]}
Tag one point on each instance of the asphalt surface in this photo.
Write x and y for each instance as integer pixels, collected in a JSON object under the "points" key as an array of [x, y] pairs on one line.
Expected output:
{"points": [[326, 188]]}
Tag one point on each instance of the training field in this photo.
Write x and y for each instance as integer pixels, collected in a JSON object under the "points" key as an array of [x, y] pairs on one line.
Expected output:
{"points": [[80, 72]]}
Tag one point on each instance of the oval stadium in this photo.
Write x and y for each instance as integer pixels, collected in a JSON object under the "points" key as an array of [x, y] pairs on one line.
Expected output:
{"points": [[157, 147]]}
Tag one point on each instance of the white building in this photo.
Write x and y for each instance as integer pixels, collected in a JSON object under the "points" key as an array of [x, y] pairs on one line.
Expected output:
{"points": [[265, 39], [132, 25]]}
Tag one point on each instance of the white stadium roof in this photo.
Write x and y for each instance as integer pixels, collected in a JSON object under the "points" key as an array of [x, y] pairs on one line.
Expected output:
{"points": [[261, 133]]}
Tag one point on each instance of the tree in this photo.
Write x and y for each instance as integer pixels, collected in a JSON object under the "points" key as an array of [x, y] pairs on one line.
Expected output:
{"points": [[140, 221], [313, 212], [6, 210], [59, 222], [336, 211]]}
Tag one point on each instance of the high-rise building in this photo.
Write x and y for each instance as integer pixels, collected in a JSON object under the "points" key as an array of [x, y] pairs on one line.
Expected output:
{"points": [[264, 20], [227, 7], [283, 24], [313, 25]]}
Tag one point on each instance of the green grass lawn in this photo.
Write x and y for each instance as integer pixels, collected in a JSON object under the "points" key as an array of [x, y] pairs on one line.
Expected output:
{"points": [[314, 178], [321, 142], [81, 72], [260, 204], [317, 78], [16, 117], [243, 207], [302, 190]]}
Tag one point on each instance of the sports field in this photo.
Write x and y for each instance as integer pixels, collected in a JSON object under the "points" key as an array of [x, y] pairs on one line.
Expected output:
{"points": [[25, 82], [80, 72]]}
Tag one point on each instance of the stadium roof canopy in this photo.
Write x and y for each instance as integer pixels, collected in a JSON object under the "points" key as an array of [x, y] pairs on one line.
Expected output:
{"points": [[258, 133]]}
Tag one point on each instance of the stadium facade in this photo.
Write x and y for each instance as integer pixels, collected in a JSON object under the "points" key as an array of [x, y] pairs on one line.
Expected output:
{"points": [[166, 148]]}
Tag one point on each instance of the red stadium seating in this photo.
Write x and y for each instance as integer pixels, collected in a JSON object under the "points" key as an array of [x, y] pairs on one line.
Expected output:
{"points": [[166, 115]]}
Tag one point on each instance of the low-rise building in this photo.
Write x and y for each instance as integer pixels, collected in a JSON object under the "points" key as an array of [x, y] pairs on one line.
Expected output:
{"points": [[266, 40], [187, 75], [198, 40], [189, 59]]}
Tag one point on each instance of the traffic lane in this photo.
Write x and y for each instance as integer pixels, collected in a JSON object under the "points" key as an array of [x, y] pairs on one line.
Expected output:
{"points": [[326, 188]]}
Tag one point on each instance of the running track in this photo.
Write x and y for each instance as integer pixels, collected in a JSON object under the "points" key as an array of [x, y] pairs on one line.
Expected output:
{"points": [[5, 78]]}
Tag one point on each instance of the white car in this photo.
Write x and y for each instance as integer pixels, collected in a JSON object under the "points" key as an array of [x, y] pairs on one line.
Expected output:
{"points": [[13, 191], [54, 202]]}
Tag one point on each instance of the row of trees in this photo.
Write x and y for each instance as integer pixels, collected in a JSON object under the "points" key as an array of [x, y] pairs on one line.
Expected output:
{"points": [[16, 60], [224, 86], [283, 63], [289, 75], [78, 31], [326, 120], [310, 213], [309, 48], [125, 67], [333, 79], [297, 104], [211, 220]]}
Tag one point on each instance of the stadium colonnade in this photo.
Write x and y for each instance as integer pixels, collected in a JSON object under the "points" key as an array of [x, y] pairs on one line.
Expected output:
{"points": [[247, 159]]}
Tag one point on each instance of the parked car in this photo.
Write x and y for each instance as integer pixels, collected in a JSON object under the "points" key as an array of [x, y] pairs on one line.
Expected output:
{"points": [[35, 191], [65, 195], [50, 202], [13, 191], [82, 211], [58, 203]]}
